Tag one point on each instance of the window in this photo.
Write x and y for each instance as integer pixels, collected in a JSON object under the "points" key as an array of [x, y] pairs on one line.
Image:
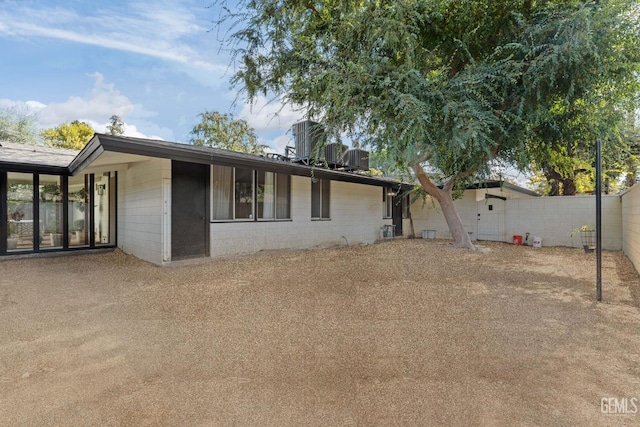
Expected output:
{"points": [[387, 201], [320, 198], [78, 210], [222, 189], [20, 204], [50, 211], [246, 194], [273, 195]]}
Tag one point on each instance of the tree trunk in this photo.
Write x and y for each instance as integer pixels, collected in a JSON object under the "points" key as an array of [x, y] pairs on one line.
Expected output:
{"points": [[444, 196], [568, 187]]}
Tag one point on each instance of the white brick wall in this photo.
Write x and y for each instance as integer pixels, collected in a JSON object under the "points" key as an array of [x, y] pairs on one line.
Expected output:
{"points": [[551, 218], [140, 208], [356, 214], [631, 225]]}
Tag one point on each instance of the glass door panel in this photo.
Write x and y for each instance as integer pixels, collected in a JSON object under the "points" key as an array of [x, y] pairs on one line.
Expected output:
{"points": [[79, 210], [50, 210], [19, 211], [102, 209]]}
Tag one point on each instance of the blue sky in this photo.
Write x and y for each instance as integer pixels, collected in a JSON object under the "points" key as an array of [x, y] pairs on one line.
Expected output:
{"points": [[157, 64]]}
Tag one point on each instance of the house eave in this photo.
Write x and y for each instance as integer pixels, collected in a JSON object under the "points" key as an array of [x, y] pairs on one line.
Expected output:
{"points": [[204, 155]]}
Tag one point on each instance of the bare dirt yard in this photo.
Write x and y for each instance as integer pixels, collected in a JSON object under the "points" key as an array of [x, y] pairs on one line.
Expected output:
{"points": [[407, 332]]}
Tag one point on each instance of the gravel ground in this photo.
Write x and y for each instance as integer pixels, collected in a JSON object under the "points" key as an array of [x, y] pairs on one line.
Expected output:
{"points": [[407, 332]]}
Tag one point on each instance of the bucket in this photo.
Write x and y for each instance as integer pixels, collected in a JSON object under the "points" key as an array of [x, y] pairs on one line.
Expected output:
{"points": [[537, 242], [517, 240], [428, 234]]}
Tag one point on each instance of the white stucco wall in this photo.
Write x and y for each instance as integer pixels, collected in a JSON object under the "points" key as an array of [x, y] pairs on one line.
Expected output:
{"points": [[551, 218], [356, 214], [631, 225], [140, 209]]}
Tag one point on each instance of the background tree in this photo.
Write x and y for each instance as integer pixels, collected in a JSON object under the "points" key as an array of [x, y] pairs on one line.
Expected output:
{"points": [[74, 135], [18, 125], [448, 85], [222, 131], [115, 126]]}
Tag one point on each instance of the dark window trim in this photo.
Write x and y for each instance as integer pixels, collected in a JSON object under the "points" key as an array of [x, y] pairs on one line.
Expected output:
{"points": [[64, 182], [255, 212]]}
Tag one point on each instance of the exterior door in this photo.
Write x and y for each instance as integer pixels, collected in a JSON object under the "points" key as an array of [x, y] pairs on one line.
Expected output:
{"points": [[491, 219], [397, 214], [189, 210]]}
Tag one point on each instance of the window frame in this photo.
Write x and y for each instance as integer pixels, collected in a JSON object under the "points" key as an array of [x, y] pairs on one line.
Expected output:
{"points": [[255, 196], [323, 194]]}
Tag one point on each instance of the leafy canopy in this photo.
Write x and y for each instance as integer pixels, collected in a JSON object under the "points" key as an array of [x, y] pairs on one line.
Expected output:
{"points": [[222, 131], [448, 84], [115, 126], [445, 82], [18, 126], [74, 135]]}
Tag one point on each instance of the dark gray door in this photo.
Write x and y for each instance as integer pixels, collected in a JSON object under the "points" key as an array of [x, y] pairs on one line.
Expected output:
{"points": [[189, 210], [397, 214]]}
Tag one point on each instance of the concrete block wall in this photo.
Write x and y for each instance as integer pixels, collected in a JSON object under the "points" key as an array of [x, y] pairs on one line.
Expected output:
{"points": [[427, 215], [140, 209], [554, 219], [356, 215], [551, 218], [631, 225]]}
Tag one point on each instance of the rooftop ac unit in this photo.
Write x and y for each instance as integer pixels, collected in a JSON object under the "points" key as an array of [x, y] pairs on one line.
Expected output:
{"points": [[357, 159], [335, 154], [308, 136]]}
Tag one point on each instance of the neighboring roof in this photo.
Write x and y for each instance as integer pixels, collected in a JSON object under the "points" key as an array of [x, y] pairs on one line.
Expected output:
{"points": [[493, 183], [35, 158], [101, 143]]}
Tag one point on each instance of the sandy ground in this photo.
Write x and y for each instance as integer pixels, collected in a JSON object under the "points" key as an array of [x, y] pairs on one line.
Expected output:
{"points": [[400, 333]]}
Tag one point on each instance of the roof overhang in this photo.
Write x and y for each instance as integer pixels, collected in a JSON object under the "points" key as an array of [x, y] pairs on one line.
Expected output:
{"points": [[101, 144]]}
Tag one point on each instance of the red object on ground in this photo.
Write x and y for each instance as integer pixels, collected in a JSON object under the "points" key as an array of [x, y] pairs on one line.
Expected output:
{"points": [[517, 240]]}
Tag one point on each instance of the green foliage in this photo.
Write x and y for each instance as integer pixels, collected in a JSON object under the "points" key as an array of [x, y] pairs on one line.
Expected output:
{"points": [[115, 126], [580, 104], [17, 125], [222, 131], [448, 83], [74, 135]]}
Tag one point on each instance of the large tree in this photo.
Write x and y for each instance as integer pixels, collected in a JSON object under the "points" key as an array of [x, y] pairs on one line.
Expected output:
{"points": [[115, 126], [74, 135], [18, 125], [443, 86], [223, 131]]}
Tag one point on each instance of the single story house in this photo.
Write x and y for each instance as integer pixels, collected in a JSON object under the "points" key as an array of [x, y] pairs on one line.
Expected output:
{"points": [[163, 201]]}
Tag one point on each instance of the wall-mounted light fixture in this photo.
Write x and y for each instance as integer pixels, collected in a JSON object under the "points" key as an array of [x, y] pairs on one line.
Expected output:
{"points": [[100, 188]]}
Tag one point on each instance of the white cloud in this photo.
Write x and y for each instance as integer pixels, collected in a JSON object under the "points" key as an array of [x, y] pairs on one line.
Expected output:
{"points": [[151, 29], [265, 116], [95, 109], [279, 143]]}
